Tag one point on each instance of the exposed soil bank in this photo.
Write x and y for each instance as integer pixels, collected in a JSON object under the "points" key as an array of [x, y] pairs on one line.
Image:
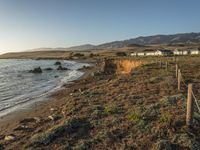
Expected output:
{"points": [[121, 66]]}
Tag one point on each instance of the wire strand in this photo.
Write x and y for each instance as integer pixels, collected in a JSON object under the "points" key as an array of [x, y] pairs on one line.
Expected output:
{"points": [[183, 81]]}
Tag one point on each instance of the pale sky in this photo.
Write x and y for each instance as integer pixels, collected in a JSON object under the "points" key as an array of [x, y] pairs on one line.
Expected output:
{"points": [[28, 24]]}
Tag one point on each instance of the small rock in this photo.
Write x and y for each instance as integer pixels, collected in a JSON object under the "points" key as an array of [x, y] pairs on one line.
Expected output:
{"points": [[37, 119], [36, 70], [62, 68], [48, 69], [54, 117], [52, 109], [10, 137], [57, 63]]}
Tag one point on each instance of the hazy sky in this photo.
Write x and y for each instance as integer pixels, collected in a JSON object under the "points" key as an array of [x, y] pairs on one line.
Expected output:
{"points": [[26, 24]]}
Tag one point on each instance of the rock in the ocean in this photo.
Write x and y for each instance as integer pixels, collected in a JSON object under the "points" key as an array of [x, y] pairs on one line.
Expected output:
{"points": [[48, 69], [62, 68], [57, 63], [36, 70]]}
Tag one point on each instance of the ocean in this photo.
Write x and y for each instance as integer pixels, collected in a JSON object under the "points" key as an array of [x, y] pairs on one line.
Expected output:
{"points": [[19, 87]]}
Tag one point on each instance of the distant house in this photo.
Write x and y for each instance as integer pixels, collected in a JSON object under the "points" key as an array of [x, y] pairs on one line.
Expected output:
{"points": [[150, 52], [181, 52], [164, 52], [141, 54], [195, 52], [133, 54]]}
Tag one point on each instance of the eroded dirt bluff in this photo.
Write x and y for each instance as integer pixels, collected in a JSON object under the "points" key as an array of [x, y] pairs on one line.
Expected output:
{"points": [[121, 66]]}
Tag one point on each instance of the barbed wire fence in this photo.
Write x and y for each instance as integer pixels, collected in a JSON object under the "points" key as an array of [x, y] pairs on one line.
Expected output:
{"points": [[191, 98], [193, 95]]}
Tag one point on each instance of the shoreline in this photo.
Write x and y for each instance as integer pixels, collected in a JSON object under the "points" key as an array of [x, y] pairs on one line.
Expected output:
{"points": [[33, 109]]}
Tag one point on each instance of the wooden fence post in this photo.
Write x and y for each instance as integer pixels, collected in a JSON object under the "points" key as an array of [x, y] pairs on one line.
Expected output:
{"points": [[190, 107], [179, 79], [176, 70]]}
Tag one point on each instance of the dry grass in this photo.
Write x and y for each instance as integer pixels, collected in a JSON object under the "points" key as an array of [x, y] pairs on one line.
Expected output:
{"points": [[141, 110]]}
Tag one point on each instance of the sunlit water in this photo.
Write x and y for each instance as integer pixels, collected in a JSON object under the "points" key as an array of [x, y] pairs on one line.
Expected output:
{"points": [[18, 87]]}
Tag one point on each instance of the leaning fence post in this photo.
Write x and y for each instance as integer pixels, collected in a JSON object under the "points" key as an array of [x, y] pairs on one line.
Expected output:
{"points": [[179, 79], [190, 107], [176, 70]]}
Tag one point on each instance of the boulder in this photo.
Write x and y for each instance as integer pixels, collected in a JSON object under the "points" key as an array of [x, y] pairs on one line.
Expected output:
{"points": [[36, 70], [57, 63], [62, 68], [48, 69]]}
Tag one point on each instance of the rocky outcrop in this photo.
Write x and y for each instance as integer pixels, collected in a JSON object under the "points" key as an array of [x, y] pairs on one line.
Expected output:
{"points": [[36, 70], [57, 63], [62, 68], [48, 69]]}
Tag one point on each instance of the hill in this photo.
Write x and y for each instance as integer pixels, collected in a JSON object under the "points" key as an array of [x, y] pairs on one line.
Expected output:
{"points": [[182, 38]]}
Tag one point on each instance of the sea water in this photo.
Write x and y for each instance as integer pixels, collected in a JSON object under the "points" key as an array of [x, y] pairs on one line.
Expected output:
{"points": [[19, 87]]}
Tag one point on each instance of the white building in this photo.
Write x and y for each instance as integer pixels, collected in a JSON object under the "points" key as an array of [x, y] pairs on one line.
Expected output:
{"points": [[180, 52], [195, 52], [140, 54], [150, 52], [134, 54], [164, 52], [153, 53]]}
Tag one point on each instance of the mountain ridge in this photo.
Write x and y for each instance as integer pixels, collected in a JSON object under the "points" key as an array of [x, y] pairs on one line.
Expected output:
{"points": [[179, 38]]}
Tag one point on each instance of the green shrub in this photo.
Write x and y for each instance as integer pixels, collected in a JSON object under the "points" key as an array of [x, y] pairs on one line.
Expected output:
{"points": [[165, 118], [135, 117], [62, 130], [110, 110]]}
